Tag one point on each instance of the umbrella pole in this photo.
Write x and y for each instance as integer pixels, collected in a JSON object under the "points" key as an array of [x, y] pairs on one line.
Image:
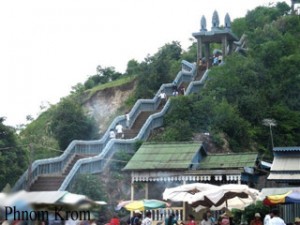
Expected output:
{"points": [[131, 194], [146, 191], [184, 206]]}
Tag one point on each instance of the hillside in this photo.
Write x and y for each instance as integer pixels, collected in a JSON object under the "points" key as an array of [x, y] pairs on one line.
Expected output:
{"points": [[261, 83], [105, 104]]}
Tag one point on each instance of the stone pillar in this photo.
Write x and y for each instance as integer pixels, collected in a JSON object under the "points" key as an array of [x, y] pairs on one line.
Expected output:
{"points": [[131, 192], [132, 188], [184, 208], [230, 44], [207, 53], [224, 45], [199, 51], [146, 191]]}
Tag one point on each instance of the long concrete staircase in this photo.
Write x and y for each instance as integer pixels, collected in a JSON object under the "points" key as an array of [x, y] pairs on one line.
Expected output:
{"points": [[53, 182], [92, 156], [138, 123], [83, 157]]}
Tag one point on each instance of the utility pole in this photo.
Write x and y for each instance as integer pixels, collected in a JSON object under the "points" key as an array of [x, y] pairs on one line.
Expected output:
{"points": [[270, 123]]}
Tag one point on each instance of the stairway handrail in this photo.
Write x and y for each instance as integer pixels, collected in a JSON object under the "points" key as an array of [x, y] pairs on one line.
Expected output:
{"points": [[108, 149], [43, 166], [142, 135], [192, 88]]}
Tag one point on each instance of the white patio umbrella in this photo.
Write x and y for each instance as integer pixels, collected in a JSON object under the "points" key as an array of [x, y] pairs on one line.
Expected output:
{"points": [[234, 203], [185, 192], [201, 195], [228, 196]]}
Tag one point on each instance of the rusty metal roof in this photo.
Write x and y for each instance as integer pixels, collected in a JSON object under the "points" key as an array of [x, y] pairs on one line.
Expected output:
{"points": [[234, 160], [155, 156]]}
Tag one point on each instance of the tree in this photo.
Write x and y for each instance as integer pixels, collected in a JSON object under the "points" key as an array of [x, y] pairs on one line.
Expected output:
{"points": [[89, 185], [239, 26], [12, 156], [69, 122], [132, 67], [160, 68], [191, 54], [262, 15], [252, 209], [179, 130], [228, 120], [103, 76]]}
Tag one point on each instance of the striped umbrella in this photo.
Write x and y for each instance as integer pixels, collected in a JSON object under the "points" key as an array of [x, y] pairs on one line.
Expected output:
{"points": [[142, 205], [285, 198]]}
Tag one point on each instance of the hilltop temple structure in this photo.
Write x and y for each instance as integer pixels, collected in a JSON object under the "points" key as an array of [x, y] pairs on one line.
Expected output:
{"points": [[218, 34]]}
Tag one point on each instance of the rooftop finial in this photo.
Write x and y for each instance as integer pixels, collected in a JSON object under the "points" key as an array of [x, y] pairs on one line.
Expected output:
{"points": [[215, 20], [203, 24], [227, 21]]}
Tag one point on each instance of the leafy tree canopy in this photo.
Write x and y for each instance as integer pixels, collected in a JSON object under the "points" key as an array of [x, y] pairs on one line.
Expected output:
{"points": [[244, 91], [160, 68], [13, 158], [69, 123]]}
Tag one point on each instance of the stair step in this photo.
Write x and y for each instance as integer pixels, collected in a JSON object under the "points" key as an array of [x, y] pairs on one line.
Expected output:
{"points": [[136, 127], [53, 182]]}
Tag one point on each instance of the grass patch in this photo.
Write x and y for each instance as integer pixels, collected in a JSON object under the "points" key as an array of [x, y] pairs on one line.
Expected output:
{"points": [[115, 83]]}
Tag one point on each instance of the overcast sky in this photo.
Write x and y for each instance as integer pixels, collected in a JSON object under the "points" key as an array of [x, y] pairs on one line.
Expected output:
{"points": [[46, 47]]}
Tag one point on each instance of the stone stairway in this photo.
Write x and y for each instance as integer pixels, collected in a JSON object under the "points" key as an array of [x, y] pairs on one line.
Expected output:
{"points": [[72, 163], [53, 182], [47, 183], [139, 122], [141, 119]]}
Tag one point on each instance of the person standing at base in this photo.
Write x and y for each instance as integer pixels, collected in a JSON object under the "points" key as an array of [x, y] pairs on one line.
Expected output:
{"points": [[297, 221], [147, 220], [171, 220], [276, 220], [207, 219], [256, 220], [225, 219], [191, 220], [210, 217], [267, 219], [137, 218]]}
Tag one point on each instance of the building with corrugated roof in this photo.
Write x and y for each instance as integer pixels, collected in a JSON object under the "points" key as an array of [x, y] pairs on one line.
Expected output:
{"points": [[286, 165], [170, 164], [189, 161]]}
